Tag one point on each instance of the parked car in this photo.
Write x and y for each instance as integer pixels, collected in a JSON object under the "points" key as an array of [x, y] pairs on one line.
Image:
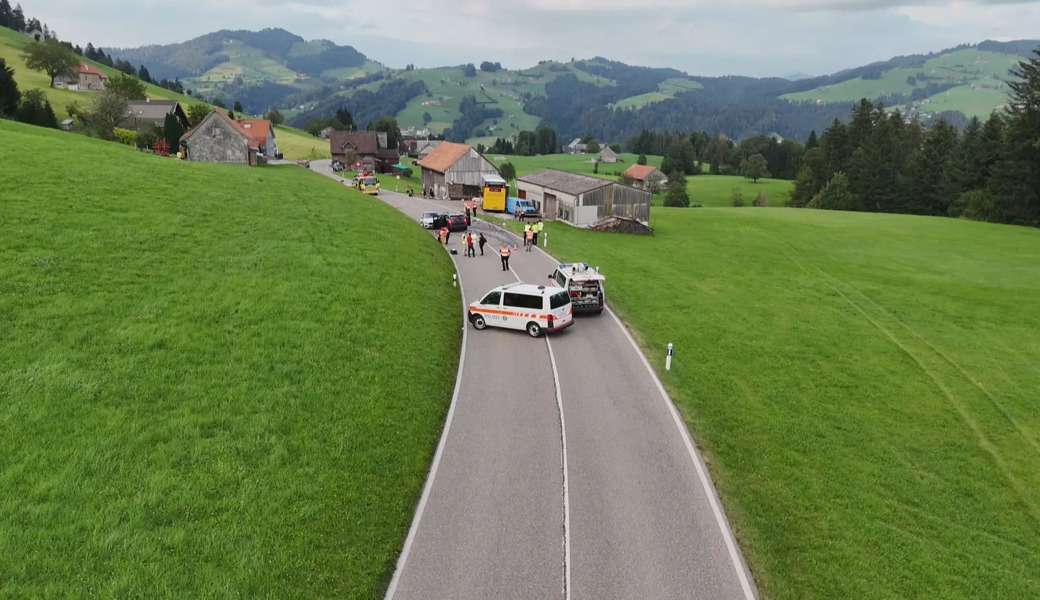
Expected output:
{"points": [[370, 185], [429, 219]]}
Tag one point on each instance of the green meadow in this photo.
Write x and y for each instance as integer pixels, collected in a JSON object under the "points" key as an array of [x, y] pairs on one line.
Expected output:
{"points": [[707, 190], [864, 388], [215, 381]]}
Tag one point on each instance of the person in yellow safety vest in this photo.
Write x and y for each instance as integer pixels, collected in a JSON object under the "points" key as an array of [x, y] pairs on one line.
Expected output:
{"points": [[504, 253], [536, 228]]}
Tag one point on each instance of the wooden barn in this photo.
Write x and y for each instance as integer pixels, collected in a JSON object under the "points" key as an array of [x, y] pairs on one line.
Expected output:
{"points": [[582, 200], [452, 168]]}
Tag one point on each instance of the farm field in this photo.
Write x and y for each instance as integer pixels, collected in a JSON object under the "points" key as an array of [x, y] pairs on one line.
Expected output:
{"points": [[203, 391], [863, 387], [294, 143], [708, 190]]}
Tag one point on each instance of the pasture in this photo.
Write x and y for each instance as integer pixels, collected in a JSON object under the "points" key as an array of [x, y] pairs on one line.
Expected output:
{"points": [[864, 389], [204, 390]]}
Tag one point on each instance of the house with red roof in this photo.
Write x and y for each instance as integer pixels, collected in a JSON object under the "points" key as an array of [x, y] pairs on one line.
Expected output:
{"points": [[455, 170], [219, 138], [639, 174], [87, 78], [363, 150]]}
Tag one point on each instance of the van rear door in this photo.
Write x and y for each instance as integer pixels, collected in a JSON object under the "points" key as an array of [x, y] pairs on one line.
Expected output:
{"points": [[560, 309]]}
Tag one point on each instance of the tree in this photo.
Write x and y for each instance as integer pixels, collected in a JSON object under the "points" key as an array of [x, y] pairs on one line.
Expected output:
{"points": [[109, 109], [469, 70], [36, 110], [219, 102], [172, 131], [754, 167], [127, 87], [1017, 179], [274, 117], [52, 58], [592, 147], [9, 94], [197, 112], [6, 15], [835, 195], [144, 75], [231, 114], [595, 167], [426, 118], [616, 147], [931, 187], [641, 160], [681, 158], [238, 107], [676, 194], [736, 196], [389, 126], [344, 120], [507, 171], [654, 182]]}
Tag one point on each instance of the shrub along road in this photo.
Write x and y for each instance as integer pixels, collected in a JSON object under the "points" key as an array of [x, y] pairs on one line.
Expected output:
{"points": [[563, 470]]}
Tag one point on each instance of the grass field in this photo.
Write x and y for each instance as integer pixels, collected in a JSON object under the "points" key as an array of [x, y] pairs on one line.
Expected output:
{"points": [[708, 190], [215, 381], [864, 388]]}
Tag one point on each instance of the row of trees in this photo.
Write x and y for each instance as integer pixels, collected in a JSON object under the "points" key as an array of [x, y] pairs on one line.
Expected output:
{"points": [[542, 140], [883, 162], [14, 18]]}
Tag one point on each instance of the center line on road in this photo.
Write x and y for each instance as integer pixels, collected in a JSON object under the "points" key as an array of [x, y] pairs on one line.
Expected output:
{"points": [[566, 490]]}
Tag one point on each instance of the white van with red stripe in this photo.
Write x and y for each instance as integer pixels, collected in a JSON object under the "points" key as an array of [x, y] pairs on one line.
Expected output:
{"points": [[530, 308]]}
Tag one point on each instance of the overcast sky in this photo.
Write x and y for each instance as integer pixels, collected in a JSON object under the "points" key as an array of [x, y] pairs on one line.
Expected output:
{"points": [[702, 37]]}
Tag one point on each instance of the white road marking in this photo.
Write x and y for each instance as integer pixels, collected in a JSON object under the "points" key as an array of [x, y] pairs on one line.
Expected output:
{"points": [[436, 456], [727, 535], [566, 487]]}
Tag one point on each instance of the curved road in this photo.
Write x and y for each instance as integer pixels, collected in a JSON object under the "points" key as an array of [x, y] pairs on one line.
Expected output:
{"points": [[563, 470]]}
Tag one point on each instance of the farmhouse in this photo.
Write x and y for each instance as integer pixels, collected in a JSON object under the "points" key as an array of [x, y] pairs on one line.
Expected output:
{"points": [[219, 138], [363, 150], [640, 173], [454, 170], [576, 147], [86, 79], [147, 112], [582, 200], [606, 155]]}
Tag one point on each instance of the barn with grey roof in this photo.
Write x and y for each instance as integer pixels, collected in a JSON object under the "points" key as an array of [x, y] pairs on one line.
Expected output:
{"points": [[581, 200]]}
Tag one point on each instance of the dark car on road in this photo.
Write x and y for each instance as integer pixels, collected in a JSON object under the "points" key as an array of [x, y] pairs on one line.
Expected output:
{"points": [[453, 221]]}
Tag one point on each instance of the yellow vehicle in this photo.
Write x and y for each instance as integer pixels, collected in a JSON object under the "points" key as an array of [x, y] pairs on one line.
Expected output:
{"points": [[493, 193], [369, 185]]}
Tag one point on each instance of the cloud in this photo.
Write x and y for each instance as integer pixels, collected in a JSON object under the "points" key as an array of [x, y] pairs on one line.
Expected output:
{"points": [[703, 37]]}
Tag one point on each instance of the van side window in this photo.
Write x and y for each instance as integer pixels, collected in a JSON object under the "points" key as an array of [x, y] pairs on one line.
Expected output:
{"points": [[492, 299], [523, 301], [561, 280], [559, 299]]}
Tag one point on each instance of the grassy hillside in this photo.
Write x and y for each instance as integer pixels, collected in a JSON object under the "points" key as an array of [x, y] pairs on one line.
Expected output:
{"points": [[204, 391], [666, 89], [863, 387], [707, 190], [981, 76], [294, 143]]}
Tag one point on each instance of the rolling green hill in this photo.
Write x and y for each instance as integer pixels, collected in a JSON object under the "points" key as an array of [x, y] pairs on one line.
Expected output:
{"points": [[969, 80], [204, 391], [293, 143], [310, 79]]}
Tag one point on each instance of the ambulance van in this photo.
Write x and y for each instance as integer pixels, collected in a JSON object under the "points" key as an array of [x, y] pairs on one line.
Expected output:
{"points": [[531, 308]]}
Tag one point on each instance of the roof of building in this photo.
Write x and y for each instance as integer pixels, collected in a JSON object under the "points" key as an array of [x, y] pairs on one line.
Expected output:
{"points": [[364, 142], [607, 151], [254, 130], [639, 172], [153, 110], [86, 69], [443, 156], [564, 181]]}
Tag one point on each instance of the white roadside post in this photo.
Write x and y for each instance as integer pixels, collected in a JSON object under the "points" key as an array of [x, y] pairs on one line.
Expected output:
{"points": [[545, 240], [668, 358], [454, 280]]}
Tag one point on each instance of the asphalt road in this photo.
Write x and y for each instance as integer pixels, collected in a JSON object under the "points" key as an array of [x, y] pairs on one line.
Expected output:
{"points": [[563, 470]]}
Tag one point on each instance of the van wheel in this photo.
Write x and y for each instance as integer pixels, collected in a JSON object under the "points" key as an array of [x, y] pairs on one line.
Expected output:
{"points": [[534, 329], [479, 322]]}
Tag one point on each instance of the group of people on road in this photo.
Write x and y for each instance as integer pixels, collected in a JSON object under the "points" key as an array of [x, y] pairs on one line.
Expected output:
{"points": [[470, 241], [531, 235]]}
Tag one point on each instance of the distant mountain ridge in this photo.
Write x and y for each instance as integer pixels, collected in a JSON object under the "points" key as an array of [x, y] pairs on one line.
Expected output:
{"points": [[274, 68]]}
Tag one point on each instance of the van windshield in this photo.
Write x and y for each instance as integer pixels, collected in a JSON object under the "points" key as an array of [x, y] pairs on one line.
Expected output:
{"points": [[559, 299]]}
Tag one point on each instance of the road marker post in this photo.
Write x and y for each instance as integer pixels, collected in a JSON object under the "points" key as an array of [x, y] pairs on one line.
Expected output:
{"points": [[668, 358], [454, 280], [545, 240]]}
